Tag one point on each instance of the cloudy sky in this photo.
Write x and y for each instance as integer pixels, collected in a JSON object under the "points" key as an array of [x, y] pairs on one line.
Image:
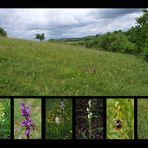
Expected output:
{"points": [[65, 23]]}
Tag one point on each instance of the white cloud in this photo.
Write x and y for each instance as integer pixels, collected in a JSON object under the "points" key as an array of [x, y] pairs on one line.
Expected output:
{"points": [[57, 23]]}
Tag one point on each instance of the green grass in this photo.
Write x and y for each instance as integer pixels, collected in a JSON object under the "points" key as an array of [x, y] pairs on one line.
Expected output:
{"points": [[5, 121], [34, 68], [63, 130], [35, 113], [126, 116], [142, 118]]}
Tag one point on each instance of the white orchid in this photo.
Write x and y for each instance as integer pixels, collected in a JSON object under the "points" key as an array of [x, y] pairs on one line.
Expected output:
{"points": [[57, 120], [89, 103], [89, 116], [88, 109]]}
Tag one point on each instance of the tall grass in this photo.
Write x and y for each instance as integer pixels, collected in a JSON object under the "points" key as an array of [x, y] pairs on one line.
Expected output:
{"points": [[120, 118], [142, 118], [33, 68], [35, 112]]}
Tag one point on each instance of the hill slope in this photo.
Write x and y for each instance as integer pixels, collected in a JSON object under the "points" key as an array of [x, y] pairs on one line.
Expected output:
{"points": [[32, 68]]}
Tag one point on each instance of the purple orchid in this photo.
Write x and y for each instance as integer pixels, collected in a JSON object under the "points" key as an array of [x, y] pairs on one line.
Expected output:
{"points": [[27, 123], [62, 105]]}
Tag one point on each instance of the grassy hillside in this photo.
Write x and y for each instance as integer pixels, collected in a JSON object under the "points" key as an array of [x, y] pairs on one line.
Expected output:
{"points": [[33, 68]]}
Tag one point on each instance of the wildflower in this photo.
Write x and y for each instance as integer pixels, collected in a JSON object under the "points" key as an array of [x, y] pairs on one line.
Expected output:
{"points": [[94, 69], [119, 108], [25, 110], [89, 116], [116, 104], [62, 105], [27, 123], [57, 120], [89, 103], [117, 120], [2, 113], [118, 124], [87, 109]]}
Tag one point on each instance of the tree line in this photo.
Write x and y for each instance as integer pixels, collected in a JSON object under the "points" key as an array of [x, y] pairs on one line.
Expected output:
{"points": [[134, 41]]}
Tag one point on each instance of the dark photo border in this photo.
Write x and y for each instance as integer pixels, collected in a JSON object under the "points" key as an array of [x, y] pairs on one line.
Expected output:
{"points": [[74, 142], [73, 3]]}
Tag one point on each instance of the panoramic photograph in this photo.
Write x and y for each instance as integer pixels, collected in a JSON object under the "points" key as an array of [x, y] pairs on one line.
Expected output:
{"points": [[74, 52]]}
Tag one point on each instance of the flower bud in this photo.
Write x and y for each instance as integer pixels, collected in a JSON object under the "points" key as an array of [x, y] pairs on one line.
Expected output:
{"points": [[87, 109], [89, 103]]}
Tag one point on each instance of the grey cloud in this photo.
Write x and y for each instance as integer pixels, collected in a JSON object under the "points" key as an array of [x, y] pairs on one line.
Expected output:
{"points": [[114, 13], [57, 23]]}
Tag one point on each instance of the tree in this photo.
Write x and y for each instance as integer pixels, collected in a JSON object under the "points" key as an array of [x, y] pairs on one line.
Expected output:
{"points": [[139, 33], [40, 37], [143, 20], [3, 33]]}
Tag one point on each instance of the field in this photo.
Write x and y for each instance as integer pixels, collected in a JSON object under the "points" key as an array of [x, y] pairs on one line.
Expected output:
{"points": [[142, 119], [5, 119], [58, 119], [89, 119], [35, 116], [45, 68], [120, 119]]}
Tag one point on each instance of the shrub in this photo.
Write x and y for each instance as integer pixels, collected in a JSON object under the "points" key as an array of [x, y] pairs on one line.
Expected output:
{"points": [[146, 53], [3, 33]]}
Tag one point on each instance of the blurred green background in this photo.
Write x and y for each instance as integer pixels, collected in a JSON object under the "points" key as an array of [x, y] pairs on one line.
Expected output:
{"points": [[63, 130], [142, 118], [5, 126], [35, 114], [127, 116]]}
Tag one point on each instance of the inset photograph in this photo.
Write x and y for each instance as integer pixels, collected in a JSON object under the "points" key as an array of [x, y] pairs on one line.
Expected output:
{"points": [[142, 117], [27, 118], [5, 128], [120, 118], [89, 118], [58, 118]]}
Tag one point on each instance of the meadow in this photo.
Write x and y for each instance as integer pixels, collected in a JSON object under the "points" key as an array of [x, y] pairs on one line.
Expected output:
{"points": [[35, 116], [58, 119], [142, 118], [46, 68], [89, 118], [120, 119], [5, 119]]}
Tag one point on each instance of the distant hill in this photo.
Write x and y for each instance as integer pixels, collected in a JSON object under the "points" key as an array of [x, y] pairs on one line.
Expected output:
{"points": [[72, 39]]}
